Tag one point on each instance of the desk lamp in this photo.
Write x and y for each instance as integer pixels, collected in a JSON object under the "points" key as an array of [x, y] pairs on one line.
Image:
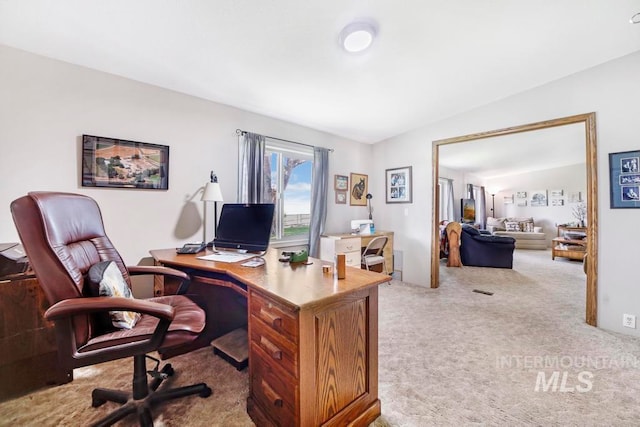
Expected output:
{"points": [[213, 194]]}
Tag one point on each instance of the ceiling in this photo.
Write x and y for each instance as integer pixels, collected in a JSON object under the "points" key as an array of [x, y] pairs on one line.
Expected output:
{"points": [[431, 59], [518, 153]]}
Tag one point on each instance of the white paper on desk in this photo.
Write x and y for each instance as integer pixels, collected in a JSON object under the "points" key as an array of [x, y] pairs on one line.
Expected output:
{"points": [[226, 257]]}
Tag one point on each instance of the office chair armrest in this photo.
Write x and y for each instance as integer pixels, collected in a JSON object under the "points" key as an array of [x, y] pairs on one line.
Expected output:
{"points": [[71, 307], [184, 278], [135, 270]]}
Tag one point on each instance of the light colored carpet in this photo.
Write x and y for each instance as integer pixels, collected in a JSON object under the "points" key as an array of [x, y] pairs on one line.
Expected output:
{"points": [[448, 356]]}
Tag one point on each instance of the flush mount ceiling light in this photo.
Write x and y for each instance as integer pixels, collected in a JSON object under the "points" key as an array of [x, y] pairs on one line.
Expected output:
{"points": [[357, 36]]}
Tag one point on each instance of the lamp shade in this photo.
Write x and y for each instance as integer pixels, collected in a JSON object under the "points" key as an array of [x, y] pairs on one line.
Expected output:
{"points": [[212, 193]]}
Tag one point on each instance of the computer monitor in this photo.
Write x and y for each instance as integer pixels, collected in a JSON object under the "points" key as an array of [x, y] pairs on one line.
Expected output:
{"points": [[244, 227]]}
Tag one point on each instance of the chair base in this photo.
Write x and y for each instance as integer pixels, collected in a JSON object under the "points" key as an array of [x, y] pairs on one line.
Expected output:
{"points": [[144, 395]]}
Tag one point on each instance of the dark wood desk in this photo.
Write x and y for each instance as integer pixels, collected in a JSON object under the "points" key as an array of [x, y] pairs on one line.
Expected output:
{"points": [[29, 356], [313, 353]]}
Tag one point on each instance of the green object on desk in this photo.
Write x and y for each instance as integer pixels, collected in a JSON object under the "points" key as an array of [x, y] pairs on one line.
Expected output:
{"points": [[299, 256]]}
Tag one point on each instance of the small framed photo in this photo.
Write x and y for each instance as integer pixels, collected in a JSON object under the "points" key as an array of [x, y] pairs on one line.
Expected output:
{"points": [[554, 194], [575, 197], [508, 200], [557, 202], [624, 173], [341, 183], [359, 189], [538, 198], [341, 197], [521, 194], [398, 185]]}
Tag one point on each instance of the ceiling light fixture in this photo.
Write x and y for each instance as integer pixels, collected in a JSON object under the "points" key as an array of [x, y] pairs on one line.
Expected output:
{"points": [[357, 36], [635, 19]]}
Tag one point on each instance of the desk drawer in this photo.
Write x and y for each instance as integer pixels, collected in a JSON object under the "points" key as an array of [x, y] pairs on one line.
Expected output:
{"points": [[274, 390], [276, 348], [348, 245], [274, 315], [352, 259]]}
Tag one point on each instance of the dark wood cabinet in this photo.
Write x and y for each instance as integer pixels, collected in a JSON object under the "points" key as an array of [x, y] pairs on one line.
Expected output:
{"points": [[28, 355]]}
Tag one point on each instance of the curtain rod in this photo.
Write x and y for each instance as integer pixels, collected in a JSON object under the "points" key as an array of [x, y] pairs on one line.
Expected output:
{"points": [[242, 132]]}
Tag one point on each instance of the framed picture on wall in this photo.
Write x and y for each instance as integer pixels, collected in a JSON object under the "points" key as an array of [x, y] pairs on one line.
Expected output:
{"points": [[575, 197], [341, 197], [341, 183], [398, 185], [359, 189], [468, 209], [119, 163], [624, 171], [538, 198]]}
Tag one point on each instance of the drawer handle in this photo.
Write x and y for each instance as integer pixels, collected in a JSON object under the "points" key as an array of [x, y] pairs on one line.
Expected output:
{"points": [[276, 353], [275, 399], [275, 320], [350, 248]]}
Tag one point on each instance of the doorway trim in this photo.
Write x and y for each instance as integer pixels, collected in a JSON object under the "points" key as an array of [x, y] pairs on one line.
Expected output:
{"points": [[589, 120]]}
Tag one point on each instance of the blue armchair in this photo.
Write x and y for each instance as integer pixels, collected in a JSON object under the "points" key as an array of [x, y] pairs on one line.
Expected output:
{"points": [[482, 250]]}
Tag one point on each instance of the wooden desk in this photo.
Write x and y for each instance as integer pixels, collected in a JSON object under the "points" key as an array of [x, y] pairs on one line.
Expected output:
{"points": [[29, 356], [313, 354]]}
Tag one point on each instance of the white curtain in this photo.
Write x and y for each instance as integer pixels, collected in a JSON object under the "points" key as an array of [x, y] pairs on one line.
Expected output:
{"points": [[319, 190], [481, 206], [446, 200], [251, 168]]}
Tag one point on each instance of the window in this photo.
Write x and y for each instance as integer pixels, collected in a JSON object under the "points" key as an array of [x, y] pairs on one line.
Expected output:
{"points": [[445, 195], [288, 173]]}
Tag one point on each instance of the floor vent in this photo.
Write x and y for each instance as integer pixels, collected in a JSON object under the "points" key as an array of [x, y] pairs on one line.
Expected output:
{"points": [[482, 292]]}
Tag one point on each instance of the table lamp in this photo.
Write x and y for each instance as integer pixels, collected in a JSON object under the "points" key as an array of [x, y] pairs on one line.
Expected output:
{"points": [[213, 194]]}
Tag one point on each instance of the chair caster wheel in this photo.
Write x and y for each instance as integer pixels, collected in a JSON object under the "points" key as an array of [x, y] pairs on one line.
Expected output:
{"points": [[206, 392], [97, 402], [168, 369]]}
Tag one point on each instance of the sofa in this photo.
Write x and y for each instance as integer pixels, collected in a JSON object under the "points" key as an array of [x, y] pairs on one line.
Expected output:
{"points": [[523, 230], [485, 250]]}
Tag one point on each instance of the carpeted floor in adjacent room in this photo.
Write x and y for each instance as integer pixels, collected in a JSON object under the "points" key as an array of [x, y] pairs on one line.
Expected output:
{"points": [[447, 356]]}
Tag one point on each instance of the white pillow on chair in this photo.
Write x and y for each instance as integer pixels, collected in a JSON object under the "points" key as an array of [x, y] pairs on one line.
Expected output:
{"points": [[106, 281]]}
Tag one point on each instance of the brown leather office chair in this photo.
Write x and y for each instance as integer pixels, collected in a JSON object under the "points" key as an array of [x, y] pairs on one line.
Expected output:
{"points": [[64, 237]]}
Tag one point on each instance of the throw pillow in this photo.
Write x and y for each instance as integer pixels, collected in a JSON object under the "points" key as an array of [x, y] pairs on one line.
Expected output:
{"points": [[526, 226], [512, 226], [496, 223], [106, 280]]}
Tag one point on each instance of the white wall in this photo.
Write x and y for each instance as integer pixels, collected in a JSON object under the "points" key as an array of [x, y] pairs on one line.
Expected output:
{"points": [[612, 90], [569, 179], [47, 105]]}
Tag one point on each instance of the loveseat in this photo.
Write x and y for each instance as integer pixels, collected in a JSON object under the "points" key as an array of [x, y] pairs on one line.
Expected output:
{"points": [[485, 250], [527, 235]]}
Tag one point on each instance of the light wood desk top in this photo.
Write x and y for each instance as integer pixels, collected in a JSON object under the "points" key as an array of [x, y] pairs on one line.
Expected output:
{"points": [[313, 339], [299, 285]]}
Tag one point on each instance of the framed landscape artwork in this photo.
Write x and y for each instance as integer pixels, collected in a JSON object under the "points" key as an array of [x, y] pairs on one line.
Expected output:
{"points": [[398, 185], [110, 162], [468, 209], [538, 198], [359, 189], [624, 171]]}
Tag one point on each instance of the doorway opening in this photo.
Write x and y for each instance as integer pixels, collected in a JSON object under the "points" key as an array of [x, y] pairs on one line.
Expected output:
{"points": [[591, 260]]}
